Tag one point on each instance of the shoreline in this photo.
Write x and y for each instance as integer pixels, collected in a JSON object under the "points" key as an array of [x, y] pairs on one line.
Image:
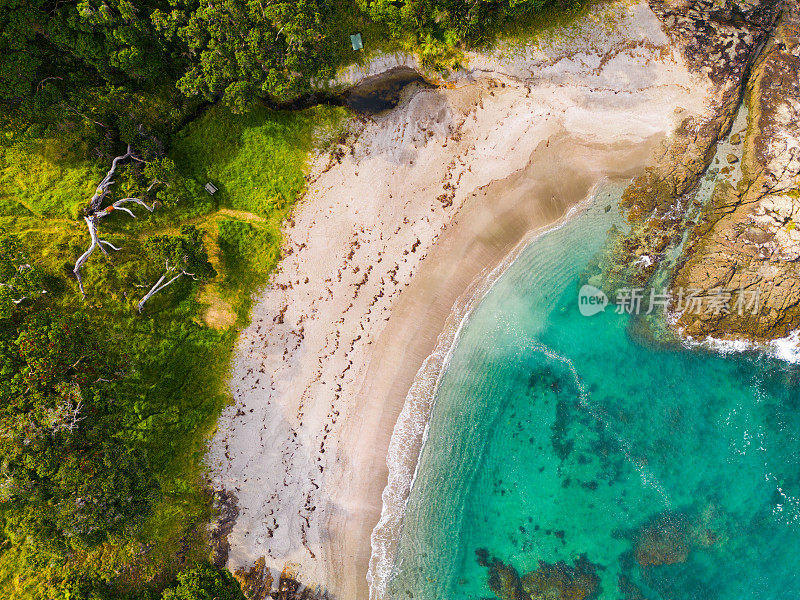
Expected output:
{"points": [[420, 401], [429, 341], [401, 219]]}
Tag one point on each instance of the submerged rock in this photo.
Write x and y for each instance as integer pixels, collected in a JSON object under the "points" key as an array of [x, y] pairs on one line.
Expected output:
{"points": [[550, 581], [560, 581], [482, 556], [504, 581], [664, 541], [669, 537], [629, 589]]}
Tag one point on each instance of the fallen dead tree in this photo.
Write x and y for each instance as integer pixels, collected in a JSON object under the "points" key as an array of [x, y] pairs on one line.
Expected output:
{"points": [[96, 211]]}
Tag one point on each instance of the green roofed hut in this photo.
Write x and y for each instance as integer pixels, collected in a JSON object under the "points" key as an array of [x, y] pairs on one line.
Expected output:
{"points": [[355, 39]]}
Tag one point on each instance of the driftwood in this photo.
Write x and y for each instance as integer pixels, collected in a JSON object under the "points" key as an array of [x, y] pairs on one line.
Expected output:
{"points": [[95, 211], [160, 285]]}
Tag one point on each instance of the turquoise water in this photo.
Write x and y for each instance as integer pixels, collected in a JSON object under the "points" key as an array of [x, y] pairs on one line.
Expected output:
{"points": [[556, 435]]}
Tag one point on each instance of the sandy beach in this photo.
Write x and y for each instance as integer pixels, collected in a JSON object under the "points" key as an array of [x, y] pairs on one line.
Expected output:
{"points": [[400, 226]]}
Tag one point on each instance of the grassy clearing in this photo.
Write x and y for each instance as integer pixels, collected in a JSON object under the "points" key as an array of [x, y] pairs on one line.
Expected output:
{"points": [[249, 250], [258, 162], [35, 182]]}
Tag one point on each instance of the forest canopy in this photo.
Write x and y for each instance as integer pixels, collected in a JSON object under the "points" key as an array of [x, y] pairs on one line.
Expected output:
{"points": [[234, 50]]}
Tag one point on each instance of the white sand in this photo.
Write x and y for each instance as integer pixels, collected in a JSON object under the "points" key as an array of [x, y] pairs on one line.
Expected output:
{"points": [[376, 261]]}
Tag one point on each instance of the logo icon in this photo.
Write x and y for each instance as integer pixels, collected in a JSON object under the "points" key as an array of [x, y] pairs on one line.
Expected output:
{"points": [[591, 300]]}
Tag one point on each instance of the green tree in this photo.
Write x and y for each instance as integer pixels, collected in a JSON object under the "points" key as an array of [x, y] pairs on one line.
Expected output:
{"points": [[70, 44], [203, 582], [438, 28], [65, 475], [21, 56], [242, 50], [20, 280]]}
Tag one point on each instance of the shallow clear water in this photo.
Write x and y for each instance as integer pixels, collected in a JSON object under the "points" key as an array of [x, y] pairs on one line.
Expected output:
{"points": [[556, 435]]}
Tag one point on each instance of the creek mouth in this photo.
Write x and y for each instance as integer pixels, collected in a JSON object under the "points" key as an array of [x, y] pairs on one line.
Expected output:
{"points": [[370, 96], [382, 92]]}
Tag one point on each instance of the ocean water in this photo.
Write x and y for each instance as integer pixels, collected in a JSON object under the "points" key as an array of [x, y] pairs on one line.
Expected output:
{"points": [[675, 472]]}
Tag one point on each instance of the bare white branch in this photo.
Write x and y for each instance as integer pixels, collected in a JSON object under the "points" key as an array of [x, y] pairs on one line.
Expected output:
{"points": [[122, 208], [110, 245], [13, 289], [155, 183], [88, 118], [95, 212], [66, 415], [45, 80], [118, 204], [157, 288], [91, 223]]}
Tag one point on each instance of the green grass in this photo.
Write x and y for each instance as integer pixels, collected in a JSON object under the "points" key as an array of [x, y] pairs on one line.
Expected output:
{"points": [[35, 180], [249, 250], [257, 160]]}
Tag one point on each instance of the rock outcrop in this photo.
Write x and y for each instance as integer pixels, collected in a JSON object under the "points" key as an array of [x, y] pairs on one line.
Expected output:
{"points": [[722, 43], [749, 239], [257, 584], [738, 251], [225, 506], [550, 581]]}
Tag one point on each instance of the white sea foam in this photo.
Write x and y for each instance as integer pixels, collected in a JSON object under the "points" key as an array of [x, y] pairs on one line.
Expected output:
{"points": [[411, 430], [786, 348]]}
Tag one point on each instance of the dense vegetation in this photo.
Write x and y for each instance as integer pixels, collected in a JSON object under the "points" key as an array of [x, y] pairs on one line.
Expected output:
{"points": [[85, 57], [104, 412], [109, 393], [439, 29], [204, 583]]}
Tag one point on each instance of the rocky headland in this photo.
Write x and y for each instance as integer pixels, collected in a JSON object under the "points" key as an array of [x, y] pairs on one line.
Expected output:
{"points": [[730, 244], [748, 238]]}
